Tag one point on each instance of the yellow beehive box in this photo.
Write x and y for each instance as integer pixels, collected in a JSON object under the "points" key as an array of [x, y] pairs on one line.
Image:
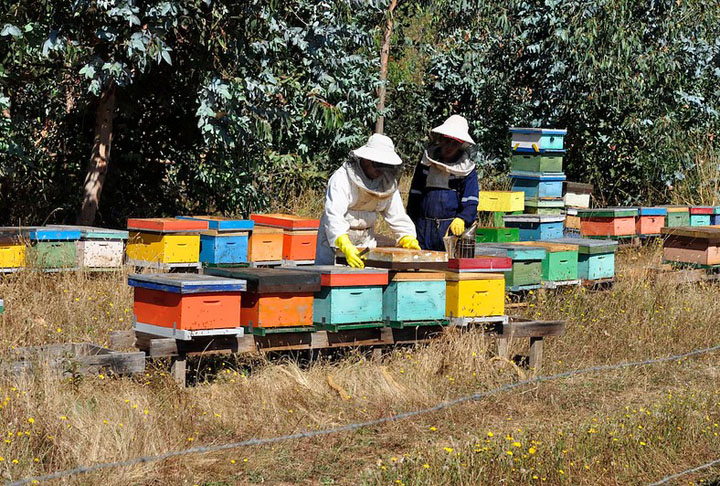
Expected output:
{"points": [[475, 294], [163, 247], [506, 201], [12, 256]]}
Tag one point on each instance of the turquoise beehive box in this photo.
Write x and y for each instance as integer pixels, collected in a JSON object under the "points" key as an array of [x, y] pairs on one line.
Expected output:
{"points": [[533, 227], [348, 295], [414, 296], [536, 140], [537, 186], [596, 258]]}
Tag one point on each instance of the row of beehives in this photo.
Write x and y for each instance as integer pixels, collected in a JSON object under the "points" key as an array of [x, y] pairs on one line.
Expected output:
{"points": [[161, 241], [334, 298]]}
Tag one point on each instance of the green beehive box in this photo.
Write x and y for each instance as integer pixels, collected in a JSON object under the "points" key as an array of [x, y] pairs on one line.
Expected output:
{"points": [[52, 254], [677, 216], [546, 162], [560, 266], [526, 262], [496, 235], [553, 206], [2, 306]]}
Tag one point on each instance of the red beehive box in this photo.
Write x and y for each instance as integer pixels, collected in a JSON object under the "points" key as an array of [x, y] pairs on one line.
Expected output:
{"points": [[480, 264], [607, 226], [299, 245], [187, 301], [286, 221]]}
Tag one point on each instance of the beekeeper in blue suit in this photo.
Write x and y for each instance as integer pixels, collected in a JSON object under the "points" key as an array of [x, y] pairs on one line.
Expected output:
{"points": [[444, 188], [363, 187]]}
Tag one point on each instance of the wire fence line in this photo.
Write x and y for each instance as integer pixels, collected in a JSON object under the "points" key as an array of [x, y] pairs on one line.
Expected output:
{"points": [[358, 425], [667, 479]]}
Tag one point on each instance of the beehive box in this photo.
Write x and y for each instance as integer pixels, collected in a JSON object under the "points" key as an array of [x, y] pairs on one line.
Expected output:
{"points": [[693, 245], [701, 215], [650, 221], [52, 248], [348, 295], [534, 227], [163, 247], [677, 216], [607, 221], [2, 306], [715, 218], [275, 297], [536, 162], [560, 262], [299, 245], [536, 140], [596, 258], [545, 206], [403, 258], [222, 248], [481, 263], [576, 194], [12, 249], [526, 263], [503, 201], [474, 294], [99, 248], [185, 301], [265, 244], [496, 235], [538, 186], [414, 296]]}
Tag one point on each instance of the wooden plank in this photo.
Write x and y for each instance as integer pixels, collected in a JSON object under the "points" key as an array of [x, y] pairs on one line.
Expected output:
{"points": [[459, 277], [122, 339], [272, 280], [549, 247], [536, 354], [698, 232], [404, 255], [424, 276], [517, 329], [337, 276], [178, 369]]}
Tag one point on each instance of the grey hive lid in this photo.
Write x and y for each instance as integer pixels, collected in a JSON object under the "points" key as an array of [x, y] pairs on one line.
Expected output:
{"points": [[186, 283]]}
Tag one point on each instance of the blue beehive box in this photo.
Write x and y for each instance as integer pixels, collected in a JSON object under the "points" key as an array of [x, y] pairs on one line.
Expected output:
{"points": [[536, 139], [596, 258], [414, 296], [537, 185], [533, 227], [715, 217], [219, 248]]}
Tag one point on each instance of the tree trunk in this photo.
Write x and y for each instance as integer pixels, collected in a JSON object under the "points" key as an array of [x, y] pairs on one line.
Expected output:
{"points": [[100, 157], [384, 58]]}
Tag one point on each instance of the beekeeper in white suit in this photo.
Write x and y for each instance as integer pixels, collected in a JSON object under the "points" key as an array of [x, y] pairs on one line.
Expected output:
{"points": [[361, 188]]}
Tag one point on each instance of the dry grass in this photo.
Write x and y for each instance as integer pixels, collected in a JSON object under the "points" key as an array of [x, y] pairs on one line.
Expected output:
{"points": [[625, 427]]}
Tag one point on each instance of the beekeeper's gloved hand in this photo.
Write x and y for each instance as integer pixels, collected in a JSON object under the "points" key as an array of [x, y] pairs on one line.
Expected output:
{"points": [[352, 255], [409, 242], [457, 226]]}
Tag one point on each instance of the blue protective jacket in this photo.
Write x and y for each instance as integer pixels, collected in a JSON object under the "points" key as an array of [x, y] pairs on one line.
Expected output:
{"points": [[440, 193]]}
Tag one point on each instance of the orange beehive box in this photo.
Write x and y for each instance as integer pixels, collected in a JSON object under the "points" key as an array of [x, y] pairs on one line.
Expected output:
{"points": [[265, 244], [166, 225], [187, 301], [649, 225], [286, 221], [607, 226], [299, 245], [277, 310]]}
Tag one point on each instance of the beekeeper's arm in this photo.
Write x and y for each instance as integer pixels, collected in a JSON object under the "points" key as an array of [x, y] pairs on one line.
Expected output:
{"points": [[337, 203], [400, 223]]}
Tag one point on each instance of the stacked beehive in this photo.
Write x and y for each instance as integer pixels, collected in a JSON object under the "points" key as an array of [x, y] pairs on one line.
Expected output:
{"points": [[299, 235], [701, 215], [536, 170], [475, 287], [526, 272], [499, 203]]}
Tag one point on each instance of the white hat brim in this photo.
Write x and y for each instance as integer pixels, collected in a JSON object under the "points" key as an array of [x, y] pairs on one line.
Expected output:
{"points": [[379, 156], [456, 134]]}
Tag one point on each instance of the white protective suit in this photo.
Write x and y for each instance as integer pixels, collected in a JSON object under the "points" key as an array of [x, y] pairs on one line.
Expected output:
{"points": [[352, 203]]}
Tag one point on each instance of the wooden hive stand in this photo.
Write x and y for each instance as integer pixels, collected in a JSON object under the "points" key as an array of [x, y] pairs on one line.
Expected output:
{"points": [[536, 331]]}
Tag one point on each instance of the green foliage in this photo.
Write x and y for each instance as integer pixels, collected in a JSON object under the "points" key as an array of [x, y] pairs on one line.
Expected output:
{"points": [[233, 106]]}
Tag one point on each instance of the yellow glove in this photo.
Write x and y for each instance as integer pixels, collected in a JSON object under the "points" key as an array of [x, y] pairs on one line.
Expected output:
{"points": [[457, 226], [409, 242], [351, 252]]}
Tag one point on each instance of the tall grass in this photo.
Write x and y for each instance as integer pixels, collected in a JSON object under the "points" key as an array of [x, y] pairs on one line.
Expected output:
{"points": [[624, 427]]}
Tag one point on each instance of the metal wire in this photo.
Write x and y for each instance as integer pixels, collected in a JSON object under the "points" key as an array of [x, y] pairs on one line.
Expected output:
{"points": [[687, 471], [354, 426]]}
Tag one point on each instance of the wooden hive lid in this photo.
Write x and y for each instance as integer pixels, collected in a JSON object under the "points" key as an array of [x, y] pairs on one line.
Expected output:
{"points": [[404, 255], [286, 221], [539, 131], [341, 276], [166, 225], [510, 250], [702, 210], [652, 211], [271, 280], [677, 209], [588, 246], [578, 187], [261, 229], [610, 212], [186, 283], [550, 247], [223, 223], [696, 232], [534, 218], [464, 276], [10, 235], [539, 176], [53, 234], [417, 276], [94, 233], [224, 233]]}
